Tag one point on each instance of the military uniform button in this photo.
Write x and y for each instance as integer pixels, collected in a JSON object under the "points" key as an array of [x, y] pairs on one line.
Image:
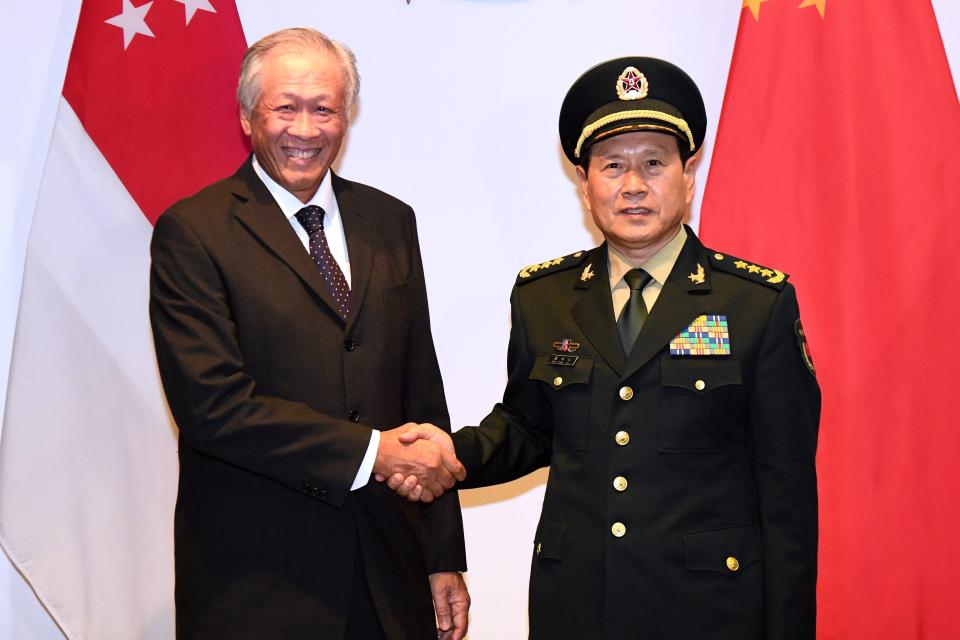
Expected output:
{"points": [[618, 529], [700, 385], [620, 483], [622, 438], [626, 393], [538, 548], [718, 256], [733, 564], [557, 381]]}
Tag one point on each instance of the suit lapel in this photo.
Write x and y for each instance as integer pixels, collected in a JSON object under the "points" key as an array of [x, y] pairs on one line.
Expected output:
{"points": [[259, 212], [356, 229], [678, 304], [594, 310]]}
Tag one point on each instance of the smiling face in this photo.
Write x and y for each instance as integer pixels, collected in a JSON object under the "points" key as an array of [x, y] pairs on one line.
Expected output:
{"points": [[298, 123], [638, 190]]}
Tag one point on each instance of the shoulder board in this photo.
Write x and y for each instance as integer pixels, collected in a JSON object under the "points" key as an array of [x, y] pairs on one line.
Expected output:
{"points": [[534, 271], [755, 272]]}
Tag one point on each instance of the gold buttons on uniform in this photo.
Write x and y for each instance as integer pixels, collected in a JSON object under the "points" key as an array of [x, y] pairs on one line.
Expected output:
{"points": [[538, 548], [626, 393], [622, 438], [557, 381], [733, 564], [620, 483], [618, 529], [700, 385], [718, 256]]}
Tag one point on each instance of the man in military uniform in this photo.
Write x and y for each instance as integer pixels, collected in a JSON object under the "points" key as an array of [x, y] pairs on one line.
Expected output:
{"points": [[669, 389]]}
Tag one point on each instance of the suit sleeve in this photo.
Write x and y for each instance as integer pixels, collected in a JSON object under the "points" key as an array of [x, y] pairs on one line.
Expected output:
{"points": [[784, 419], [214, 401], [424, 401], [515, 439]]}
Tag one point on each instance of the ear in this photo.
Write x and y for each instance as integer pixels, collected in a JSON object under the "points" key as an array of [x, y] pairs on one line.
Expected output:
{"points": [[584, 187], [689, 175], [245, 121]]}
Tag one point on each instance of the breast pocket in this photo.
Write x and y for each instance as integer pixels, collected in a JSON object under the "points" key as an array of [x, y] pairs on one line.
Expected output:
{"points": [[568, 388], [702, 405]]}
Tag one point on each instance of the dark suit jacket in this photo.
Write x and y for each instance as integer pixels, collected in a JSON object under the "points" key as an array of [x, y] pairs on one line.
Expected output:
{"points": [[275, 395], [716, 458]]}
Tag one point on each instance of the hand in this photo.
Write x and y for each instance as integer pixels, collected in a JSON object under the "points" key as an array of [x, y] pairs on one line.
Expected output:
{"points": [[433, 467], [409, 486], [451, 602]]}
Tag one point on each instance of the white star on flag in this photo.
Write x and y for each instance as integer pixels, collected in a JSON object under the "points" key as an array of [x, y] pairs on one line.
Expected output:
{"points": [[132, 21], [192, 6]]}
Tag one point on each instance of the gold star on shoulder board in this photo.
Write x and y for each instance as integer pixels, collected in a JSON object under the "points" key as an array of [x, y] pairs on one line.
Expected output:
{"points": [[587, 273]]}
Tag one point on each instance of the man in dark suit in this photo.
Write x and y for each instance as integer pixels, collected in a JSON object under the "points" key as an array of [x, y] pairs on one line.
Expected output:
{"points": [[670, 390], [290, 319]]}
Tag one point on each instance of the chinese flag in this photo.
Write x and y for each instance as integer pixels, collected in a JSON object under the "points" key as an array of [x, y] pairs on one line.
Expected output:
{"points": [[88, 466], [836, 161]]}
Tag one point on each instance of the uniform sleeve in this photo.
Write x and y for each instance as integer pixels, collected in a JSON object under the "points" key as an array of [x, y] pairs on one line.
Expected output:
{"points": [[424, 401], [212, 398], [784, 419], [516, 438]]}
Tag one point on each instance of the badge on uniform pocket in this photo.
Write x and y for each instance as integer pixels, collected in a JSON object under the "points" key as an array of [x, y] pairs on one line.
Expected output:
{"points": [[707, 335]]}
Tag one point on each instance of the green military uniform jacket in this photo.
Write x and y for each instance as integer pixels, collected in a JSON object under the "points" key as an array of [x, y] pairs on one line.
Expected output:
{"points": [[682, 501]]}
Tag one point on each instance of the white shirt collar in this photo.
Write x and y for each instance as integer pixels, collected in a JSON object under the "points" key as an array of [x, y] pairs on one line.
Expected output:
{"points": [[290, 204]]}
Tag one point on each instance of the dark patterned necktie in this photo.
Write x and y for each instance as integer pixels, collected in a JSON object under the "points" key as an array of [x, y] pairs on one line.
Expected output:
{"points": [[311, 217], [634, 313]]}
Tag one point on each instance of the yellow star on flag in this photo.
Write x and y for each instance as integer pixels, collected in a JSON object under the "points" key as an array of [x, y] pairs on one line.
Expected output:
{"points": [[754, 6], [821, 5]]}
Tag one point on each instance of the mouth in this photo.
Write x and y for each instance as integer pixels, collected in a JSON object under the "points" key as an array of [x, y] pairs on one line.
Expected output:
{"points": [[636, 211], [295, 153]]}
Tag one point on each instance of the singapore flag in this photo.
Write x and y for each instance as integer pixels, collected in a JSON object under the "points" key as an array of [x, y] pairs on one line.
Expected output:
{"points": [[88, 466]]}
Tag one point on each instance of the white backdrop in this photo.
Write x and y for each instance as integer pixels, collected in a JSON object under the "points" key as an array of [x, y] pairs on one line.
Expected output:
{"points": [[457, 116]]}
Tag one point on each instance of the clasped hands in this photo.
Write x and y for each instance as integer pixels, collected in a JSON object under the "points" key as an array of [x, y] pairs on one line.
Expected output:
{"points": [[418, 461]]}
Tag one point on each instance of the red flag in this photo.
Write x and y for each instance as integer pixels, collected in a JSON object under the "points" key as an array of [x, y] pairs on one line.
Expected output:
{"points": [[835, 161], [154, 87], [88, 467]]}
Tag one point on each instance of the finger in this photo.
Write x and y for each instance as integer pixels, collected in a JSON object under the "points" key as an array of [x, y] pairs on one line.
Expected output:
{"points": [[426, 495], [415, 494], [452, 465], [460, 621], [443, 479], [379, 478], [395, 481], [406, 487], [409, 436]]}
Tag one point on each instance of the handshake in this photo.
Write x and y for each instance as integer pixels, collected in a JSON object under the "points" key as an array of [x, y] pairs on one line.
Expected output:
{"points": [[417, 461]]}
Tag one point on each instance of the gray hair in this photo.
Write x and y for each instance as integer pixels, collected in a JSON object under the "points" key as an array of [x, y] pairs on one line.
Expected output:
{"points": [[298, 39]]}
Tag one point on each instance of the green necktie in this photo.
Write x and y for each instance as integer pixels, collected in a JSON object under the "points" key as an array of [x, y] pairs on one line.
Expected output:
{"points": [[634, 312]]}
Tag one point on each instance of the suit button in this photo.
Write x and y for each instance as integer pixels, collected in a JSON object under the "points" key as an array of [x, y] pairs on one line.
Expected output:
{"points": [[622, 438], [618, 529], [557, 381], [620, 483], [733, 564], [700, 385], [349, 345], [626, 393], [353, 416]]}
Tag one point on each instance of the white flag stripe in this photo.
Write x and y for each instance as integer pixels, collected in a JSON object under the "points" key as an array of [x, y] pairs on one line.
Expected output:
{"points": [[94, 455]]}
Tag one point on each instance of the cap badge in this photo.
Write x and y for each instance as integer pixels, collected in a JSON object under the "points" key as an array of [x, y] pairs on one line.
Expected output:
{"points": [[632, 85]]}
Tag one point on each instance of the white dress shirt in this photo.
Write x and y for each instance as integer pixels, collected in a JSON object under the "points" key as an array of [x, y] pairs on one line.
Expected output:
{"points": [[333, 229]]}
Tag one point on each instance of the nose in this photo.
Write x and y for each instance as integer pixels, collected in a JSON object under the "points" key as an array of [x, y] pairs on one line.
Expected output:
{"points": [[634, 184], [302, 125]]}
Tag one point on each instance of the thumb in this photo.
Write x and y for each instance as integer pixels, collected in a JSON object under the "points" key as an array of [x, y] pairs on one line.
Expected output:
{"points": [[444, 615], [411, 435]]}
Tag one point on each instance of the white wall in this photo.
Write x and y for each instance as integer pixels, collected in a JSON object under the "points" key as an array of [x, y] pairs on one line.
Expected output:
{"points": [[457, 116]]}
